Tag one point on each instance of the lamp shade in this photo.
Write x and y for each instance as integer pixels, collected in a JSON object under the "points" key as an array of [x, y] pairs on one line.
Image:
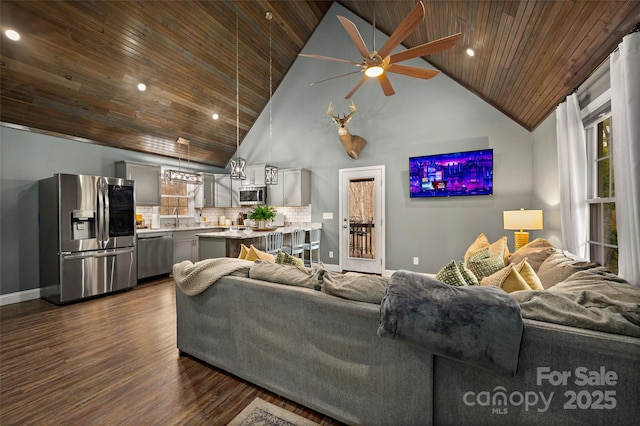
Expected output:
{"points": [[522, 219]]}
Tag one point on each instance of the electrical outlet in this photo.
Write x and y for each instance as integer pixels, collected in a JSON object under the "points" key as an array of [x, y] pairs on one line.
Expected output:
{"points": [[330, 255], [416, 261]]}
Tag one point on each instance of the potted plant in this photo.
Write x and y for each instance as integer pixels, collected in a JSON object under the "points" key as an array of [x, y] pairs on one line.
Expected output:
{"points": [[262, 214]]}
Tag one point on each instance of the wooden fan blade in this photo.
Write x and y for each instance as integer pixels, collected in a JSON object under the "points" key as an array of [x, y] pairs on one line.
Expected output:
{"points": [[328, 58], [427, 48], [422, 73], [386, 85], [337, 76], [353, 32], [356, 87], [410, 22]]}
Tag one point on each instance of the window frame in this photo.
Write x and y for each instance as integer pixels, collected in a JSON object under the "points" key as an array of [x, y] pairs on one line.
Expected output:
{"points": [[593, 115]]}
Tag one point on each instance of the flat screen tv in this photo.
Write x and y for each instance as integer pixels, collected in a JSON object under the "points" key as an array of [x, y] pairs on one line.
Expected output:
{"points": [[453, 174]]}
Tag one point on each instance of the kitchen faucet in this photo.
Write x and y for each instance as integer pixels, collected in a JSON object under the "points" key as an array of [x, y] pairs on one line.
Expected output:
{"points": [[175, 211]]}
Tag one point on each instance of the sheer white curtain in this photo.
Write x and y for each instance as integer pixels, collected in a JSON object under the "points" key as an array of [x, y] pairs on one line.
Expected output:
{"points": [[625, 110], [572, 170]]}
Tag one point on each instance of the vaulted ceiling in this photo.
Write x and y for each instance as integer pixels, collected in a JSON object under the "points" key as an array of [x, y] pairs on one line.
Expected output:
{"points": [[75, 70]]}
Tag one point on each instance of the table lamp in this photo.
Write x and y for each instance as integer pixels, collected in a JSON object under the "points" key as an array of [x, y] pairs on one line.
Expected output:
{"points": [[520, 220]]}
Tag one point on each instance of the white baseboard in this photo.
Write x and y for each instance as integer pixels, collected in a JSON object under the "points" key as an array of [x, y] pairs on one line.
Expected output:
{"points": [[19, 296]]}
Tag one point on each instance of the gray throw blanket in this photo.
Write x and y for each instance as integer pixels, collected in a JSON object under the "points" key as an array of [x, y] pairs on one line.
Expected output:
{"points": [[194, 278], [480, 326], [595, 299]]}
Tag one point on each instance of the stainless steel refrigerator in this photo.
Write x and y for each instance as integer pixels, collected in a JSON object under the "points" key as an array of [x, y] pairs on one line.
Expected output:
{"points": [[87, 232]]}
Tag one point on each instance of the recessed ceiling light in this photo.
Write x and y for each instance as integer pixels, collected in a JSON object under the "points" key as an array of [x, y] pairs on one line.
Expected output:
{"points": [[12, 35], [470, 52], [215, 116], [142, 87]]}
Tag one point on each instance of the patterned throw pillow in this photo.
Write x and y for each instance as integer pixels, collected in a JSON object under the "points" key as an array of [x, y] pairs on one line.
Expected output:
{"points": [[451, 275], [480, 243], [468, 276], [482, 264], [287, 259]]}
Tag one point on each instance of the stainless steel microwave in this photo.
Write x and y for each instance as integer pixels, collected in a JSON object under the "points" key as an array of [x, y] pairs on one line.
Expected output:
{"points": [[253, 195]]}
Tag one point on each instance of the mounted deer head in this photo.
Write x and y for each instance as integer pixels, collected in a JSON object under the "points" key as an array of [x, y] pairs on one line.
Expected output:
{"points": [[352, 143]]}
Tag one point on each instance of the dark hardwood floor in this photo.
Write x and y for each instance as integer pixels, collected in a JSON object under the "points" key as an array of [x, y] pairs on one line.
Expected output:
{"points": [[113, 360]]}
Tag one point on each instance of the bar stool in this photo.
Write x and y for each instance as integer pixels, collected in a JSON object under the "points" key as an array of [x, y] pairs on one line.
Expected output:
{"points": [[313, 244], [273, 242], [297, 243]]}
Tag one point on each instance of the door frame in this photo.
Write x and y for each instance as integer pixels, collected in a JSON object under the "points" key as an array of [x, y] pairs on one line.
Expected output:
{"points": [[380, 251]]}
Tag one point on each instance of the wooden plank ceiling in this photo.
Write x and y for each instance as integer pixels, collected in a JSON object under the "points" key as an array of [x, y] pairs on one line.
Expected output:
{"points": [[75, 70]]}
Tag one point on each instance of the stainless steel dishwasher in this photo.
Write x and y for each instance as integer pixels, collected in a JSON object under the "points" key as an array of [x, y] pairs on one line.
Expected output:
{"points": [[155, 253]]}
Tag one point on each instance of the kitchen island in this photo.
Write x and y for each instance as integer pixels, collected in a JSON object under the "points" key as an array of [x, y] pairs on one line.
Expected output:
{"points": [[227, 243]]}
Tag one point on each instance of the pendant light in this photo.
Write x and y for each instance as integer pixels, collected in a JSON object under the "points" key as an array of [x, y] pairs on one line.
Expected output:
{"points": [[238, 164], [270, 171], [180, 175]]}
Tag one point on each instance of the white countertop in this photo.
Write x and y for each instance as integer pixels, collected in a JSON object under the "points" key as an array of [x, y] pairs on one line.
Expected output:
{"points": [[207, 230], [248, 233]]}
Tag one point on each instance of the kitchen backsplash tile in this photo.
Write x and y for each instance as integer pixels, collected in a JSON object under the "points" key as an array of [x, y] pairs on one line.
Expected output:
{"points": [[292, 214]]}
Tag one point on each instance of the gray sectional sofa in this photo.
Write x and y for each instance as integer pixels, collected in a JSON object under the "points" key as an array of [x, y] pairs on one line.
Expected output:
{"points": [[325, 353]]}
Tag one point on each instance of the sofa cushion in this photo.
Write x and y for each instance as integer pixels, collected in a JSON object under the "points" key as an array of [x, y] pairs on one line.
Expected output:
{"points": [[482, 264], [558, 267], [451, 275], [255, 254], [287, 259], [285, 274], [355, 286], [510, 279], [468, 276], [535, 252]]}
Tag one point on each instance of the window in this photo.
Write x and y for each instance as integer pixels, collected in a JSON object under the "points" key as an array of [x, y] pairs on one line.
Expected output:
{"points": [[177, 198], [603, 238]]}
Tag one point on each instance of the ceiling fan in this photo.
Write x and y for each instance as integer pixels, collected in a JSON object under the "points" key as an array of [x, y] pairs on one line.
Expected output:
{"points": [[378, 64]]}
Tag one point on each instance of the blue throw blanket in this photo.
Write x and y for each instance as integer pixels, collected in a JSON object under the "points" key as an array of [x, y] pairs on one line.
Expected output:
{"points": [[481, 326]]}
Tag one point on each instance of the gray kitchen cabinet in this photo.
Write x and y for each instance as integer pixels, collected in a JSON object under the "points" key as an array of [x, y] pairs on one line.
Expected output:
{"points": [[147, 186], [205, 193], [255, 176], [293, 188], [185, 246], [222, 191]]}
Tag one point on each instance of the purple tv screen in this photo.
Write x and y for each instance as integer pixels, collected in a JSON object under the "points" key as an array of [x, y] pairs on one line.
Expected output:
{"points": [[453, 174]]}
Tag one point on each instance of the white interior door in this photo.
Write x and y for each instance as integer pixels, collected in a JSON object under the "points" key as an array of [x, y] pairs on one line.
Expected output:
{"points": [[362, 219]]}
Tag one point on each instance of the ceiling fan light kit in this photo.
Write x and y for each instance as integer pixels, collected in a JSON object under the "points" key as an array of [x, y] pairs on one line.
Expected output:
{"points": [[378, 64]]}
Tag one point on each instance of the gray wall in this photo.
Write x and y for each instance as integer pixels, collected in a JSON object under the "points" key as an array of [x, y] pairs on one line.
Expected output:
{"points": [[546, 188], [26, 157], [424, 117]]}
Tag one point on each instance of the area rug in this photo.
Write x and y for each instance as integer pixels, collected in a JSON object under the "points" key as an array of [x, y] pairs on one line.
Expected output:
{"points": [[263, 413]]}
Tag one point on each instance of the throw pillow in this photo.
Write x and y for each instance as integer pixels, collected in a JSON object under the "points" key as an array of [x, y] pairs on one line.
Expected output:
{"points": [[558, 267], [536, 252], [287, 259], [255, 254], [480, 243], [467, 274], [482, 264], [528, 274], [496, 278], [500, 247], [244, 251], [451, 275], [513, 281]]}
